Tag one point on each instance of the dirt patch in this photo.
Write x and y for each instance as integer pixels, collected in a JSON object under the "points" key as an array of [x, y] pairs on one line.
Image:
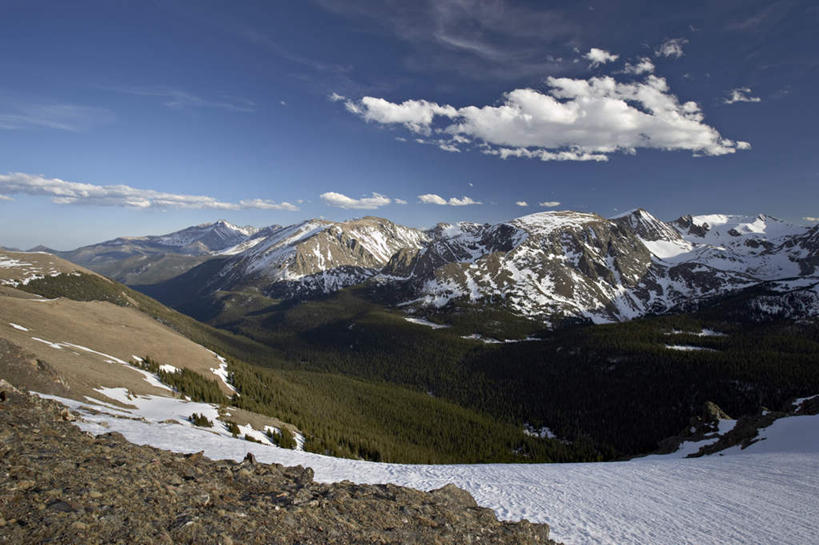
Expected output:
{"points": [[38, 326]]}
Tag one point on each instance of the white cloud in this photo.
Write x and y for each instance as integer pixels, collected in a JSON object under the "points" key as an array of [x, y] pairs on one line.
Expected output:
{"points": [[642, 66], [522, 203], [416, 115], [544, 155], [671, 48], [264, 204], [65, 192], [339, 200], [432, 198], [5, 198], [740, 94], [549, 204], [574, 120], [463, 201], [599, 56], [335, 97], [810, 219], [399, 201]]}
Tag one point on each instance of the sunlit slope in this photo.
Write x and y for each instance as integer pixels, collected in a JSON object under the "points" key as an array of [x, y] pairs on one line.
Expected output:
{"points": [[92, 328]]}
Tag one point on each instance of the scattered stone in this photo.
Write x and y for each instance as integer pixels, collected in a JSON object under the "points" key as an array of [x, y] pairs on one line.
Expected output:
{"points": [[61, 506], [196, 456], [25, 484]]}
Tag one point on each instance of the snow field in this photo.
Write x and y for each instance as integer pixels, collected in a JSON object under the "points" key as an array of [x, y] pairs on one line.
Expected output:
{"points": [[766, 494]]}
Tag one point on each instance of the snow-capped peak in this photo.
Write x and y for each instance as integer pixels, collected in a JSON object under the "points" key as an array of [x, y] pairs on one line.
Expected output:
{"points": [[546, 222], [715, 227], [212, 237], [222, 224], [647, 226]]}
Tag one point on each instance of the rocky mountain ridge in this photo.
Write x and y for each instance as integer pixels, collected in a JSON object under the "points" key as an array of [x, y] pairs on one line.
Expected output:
{"points": [[557, 265], [548, 265], [316, 256], [148, 259]]}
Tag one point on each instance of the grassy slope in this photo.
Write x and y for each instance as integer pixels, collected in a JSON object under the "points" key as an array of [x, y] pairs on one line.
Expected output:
{"points": [[345, 416]]}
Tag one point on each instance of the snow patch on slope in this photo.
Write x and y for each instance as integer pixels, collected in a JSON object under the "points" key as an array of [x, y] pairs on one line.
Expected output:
{"points": [[425, 322], [149, 377], [222, 371]]}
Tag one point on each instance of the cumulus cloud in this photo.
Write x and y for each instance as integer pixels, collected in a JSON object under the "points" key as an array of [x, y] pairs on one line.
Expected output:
{"points": [[5, 198], [549, 204], [810, 219], [449, 147], [432, 198], [521, 203], [416, 115], [65, 192], [740, 94], [574, 120], [599, 56], [339, 200], [463, 201], [544, 155], [642, 66], [671, 48], [399, 201]]}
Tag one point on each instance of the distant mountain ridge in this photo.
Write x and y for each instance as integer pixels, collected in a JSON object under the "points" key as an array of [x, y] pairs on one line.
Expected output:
{"points": [[149, 259], [548, 265]]}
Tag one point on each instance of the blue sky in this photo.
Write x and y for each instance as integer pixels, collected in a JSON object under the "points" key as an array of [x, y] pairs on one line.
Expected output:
{"points": [[136, 117]]}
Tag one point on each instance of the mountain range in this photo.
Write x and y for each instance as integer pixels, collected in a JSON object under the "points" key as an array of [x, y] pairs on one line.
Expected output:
{"points": [[550, 266], [363, 336]]}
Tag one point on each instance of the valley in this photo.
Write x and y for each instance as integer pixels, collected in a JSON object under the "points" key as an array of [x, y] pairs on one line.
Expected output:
{"points": [[612, 362], [558, 337]]}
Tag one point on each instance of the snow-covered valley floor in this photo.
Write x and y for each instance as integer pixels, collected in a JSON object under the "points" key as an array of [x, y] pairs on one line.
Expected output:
{"points": [[766, 494]]}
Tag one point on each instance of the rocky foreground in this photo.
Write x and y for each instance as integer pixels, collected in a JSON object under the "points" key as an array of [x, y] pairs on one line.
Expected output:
{"points": [[61, 485]]}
